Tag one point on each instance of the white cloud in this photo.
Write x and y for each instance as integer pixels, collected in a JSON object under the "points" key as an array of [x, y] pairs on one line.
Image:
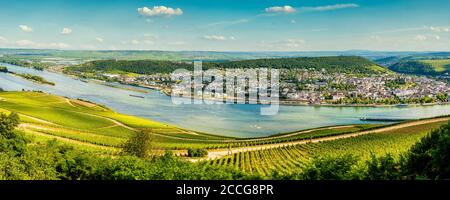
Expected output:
{"points": [[439, 29], [215, 37], [228, 23], [25, 43], [99, 39], [3, 40], [420, 38], [25, 28], [178, 43], [232, 38], [280, 9], [135, 42], [437, 37], [331, 7], [283, 45], [159, 11], [376, 38], [66, 31], [31, 44], [59, 45], [148, 42], [151, 36], [293, 43], [88, 46]]}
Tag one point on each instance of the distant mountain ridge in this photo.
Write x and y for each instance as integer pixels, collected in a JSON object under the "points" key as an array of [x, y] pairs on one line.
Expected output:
{"points": [[202, 55]]}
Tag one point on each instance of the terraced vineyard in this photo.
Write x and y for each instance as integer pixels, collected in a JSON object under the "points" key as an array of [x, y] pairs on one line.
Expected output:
{"points": [[76, 121], [94, 127], [291, 158]]}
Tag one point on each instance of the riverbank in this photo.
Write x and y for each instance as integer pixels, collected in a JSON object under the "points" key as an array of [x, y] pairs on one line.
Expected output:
{"points": [[236, 120], [30, 77], [168, 92]]}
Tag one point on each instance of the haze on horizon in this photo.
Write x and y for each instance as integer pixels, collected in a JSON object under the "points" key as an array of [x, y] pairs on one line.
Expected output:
{"points": [[200, 25]]}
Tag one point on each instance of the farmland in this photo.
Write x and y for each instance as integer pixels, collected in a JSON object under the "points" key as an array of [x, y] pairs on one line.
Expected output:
{"points": [[439, 65], [287, 159], [85, 122], [80, 121], [93, 127]]}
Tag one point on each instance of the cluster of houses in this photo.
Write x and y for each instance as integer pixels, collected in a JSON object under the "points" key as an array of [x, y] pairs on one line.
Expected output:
{"points": [[316, 86], [319, 87]]}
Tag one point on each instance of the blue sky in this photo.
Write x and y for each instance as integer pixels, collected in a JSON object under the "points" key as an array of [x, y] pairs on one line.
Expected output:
{"points": [[227, 25]]}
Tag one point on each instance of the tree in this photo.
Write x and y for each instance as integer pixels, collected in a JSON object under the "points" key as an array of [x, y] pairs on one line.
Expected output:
{"points": [[442, 97], [7, 124], [430, 157], [3, 69], [14, 143], [382, 168], [197, 152], [139, 145], [330, 168]]}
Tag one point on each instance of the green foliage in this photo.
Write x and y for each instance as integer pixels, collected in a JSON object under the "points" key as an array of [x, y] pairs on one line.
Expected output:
{"points": [[139, 145], [7, 124], [439, 65], [197, 152], [11, 142], [161, 168], [3, 69], [351, 64], [35, 78], [430, 158], [138, 67], [330, 168], [413, 67], [53, 161], [383, 168], [442, 97]]}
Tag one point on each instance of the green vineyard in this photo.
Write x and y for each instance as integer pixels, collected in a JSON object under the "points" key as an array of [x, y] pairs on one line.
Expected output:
{"points": [[285, 160]]}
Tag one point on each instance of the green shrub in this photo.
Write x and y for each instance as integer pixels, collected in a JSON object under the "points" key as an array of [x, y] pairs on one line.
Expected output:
{"points": [[430, 157], [197, 152]]}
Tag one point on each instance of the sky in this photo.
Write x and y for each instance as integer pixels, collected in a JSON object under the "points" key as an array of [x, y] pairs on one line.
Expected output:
{"points": [[226, 25]]}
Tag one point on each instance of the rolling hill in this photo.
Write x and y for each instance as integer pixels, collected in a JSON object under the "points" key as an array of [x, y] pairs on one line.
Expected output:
{"points": [[351, 64], [422, 67]]}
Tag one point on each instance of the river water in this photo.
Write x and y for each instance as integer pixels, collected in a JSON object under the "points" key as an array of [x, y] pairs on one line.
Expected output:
{"points": [[230, 120]]}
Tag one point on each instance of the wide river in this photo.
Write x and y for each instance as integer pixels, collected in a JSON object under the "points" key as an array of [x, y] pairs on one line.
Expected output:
{"points": [[230, 120]]}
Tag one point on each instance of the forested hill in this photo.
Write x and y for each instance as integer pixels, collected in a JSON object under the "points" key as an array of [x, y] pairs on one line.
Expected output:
{"points": [[413, 67], [352, 64], [422, 67]]}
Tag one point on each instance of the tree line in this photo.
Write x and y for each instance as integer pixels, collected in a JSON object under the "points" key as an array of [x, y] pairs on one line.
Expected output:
{"points": [[413, 67], [347, 64]]}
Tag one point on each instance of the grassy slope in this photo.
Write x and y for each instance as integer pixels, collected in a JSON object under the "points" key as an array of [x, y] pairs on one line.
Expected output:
{"points": [[82, 121], [90, 124], [439, 65]]}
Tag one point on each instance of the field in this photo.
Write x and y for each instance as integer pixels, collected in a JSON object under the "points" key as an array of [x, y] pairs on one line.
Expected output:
{"points": [[289, 158], [81, 122], [95, 128], [439, 65]]}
